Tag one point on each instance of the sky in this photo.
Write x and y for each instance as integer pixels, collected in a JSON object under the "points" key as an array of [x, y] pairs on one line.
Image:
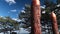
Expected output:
{"points": [[13, 7]]}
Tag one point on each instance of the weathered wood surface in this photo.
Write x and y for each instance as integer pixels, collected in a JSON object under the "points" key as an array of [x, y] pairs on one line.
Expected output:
{"points": [[54, 23], [36, 14]]}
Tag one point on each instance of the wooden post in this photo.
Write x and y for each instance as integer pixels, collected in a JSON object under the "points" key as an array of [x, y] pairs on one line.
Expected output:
{"points": [[59, 32], [36, 14], [54, 23]]}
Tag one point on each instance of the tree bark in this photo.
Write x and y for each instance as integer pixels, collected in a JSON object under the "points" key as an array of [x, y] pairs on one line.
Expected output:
{"points": [[54, 23], [36, 14]]}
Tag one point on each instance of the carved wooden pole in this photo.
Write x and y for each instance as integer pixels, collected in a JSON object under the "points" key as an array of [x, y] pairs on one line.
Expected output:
{"points": [[54, 23], [36, 13]]}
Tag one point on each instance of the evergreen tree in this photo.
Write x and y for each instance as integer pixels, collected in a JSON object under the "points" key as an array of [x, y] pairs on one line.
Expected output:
{"points": [[26, 15]]}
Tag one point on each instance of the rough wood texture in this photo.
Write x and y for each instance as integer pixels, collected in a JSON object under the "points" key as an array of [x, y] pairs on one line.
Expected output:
{"points": [[54, 23], [36, 14]]}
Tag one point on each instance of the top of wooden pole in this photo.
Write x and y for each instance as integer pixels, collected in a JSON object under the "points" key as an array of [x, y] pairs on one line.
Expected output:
{"points": [[36, 2], [53, 14]]}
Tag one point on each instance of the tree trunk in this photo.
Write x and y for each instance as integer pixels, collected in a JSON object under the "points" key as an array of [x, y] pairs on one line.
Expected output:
{"points": [[36, 14], [54, 23]]}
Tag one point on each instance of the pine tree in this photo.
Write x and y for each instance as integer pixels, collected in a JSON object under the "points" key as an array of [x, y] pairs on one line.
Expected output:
{"points": [[26, 15]]}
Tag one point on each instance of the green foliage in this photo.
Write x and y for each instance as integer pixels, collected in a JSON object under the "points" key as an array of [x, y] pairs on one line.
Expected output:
{"points": [[8, 21], [49, 7], [58, 1], [26, 15]]}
